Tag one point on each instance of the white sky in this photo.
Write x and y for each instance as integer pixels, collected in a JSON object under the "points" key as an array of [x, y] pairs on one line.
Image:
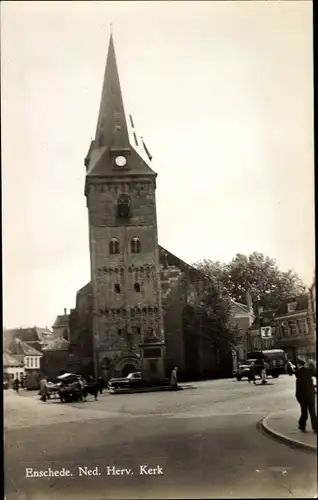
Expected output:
{"points": [[222, 93]]}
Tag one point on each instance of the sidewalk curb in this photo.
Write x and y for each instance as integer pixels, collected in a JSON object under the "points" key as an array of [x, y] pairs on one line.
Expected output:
{"points": [[263, 424], [151, 389]]}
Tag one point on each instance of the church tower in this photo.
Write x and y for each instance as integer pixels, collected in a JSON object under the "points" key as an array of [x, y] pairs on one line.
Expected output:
{"points": [[125, 273]]}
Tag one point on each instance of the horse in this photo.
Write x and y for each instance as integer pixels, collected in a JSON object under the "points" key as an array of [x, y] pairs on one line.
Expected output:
{"points": [[91, 387]]}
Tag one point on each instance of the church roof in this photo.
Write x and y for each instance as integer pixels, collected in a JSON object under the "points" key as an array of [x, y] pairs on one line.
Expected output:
{"points": [[113, 137]]}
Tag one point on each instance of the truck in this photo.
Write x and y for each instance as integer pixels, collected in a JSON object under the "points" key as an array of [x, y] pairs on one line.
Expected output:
{"points": [[276, 360]]}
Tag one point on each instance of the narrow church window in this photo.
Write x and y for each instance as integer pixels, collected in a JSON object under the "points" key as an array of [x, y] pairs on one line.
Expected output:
{"points": [[137, 287], [114, 246], [117, 288], [123, 206], [135, 245]]}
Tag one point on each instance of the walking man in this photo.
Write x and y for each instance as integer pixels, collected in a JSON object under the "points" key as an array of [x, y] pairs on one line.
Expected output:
{"points": [[174, 379], [264, 367], [44, 393], [305, 395], [16, 385], [251, 374]]}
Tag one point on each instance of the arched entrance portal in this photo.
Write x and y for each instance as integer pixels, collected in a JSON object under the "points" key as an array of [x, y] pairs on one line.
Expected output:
{"points": [[128, 369], [126, 365]]}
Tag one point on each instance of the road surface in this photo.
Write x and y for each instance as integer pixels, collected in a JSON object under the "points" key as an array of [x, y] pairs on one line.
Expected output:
{"points": [[197, 443]]}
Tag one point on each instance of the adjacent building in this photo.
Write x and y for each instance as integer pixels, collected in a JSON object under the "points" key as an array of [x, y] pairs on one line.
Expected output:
{"points": [[35, 337], [27, 355], [61, 327], [292, 328], [13, 368]]}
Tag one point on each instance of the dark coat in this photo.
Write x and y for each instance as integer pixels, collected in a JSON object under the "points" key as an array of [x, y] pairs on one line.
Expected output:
{"points": [[305, 389]]}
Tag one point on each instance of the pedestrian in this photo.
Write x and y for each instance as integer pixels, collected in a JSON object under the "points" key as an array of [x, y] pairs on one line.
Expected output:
{"points": [[44, 391], [100, 381], [16, 385], [251, 374], [174, 379], [264, 367], [305, 395], [290, 368], [81, 387]]}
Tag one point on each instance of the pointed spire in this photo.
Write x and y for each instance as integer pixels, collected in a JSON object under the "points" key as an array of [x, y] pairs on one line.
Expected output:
{"points": [[111, 127], [112, 136]]}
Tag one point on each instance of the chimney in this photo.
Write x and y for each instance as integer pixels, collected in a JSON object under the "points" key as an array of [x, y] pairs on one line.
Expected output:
{"points": [[65, 312]]}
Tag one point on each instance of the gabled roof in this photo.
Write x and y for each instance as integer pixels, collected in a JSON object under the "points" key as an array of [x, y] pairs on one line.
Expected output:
{"points": [[10, 361], [18, 347], [44, 334], [33, 334], [59, 344], [244, 308], [301, 305], [112, 132], [61, 321]]}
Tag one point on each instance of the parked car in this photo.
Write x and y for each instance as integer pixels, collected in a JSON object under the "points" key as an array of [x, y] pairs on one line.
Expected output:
{"points": [[132, 381]]}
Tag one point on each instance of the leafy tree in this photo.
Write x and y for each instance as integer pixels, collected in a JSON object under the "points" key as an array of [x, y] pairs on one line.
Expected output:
{"points": [[257, 275], [212, 309]]}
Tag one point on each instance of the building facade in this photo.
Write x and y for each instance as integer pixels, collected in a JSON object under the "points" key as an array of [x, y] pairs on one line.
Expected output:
{"points": [[295, 332], [125, 273], [13, 368], [292, 327], [60, 327]]}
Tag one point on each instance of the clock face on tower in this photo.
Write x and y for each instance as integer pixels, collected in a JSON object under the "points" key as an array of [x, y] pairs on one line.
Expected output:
{"points": [[120, 161]]}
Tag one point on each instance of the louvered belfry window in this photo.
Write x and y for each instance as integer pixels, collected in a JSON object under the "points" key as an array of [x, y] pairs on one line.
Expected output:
{"points": [[123, 206]]}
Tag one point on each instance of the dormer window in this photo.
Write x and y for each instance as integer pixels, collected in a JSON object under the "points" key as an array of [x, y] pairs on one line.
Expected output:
{"points": [[123, 206], [113, 246], [135, 245]]}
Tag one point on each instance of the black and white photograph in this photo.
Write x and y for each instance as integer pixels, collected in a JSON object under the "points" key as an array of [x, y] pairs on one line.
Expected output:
{"points": [[159, 293]]}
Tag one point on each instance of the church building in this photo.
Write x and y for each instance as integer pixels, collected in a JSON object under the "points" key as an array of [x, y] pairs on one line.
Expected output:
{"points": [[131, 315]]}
